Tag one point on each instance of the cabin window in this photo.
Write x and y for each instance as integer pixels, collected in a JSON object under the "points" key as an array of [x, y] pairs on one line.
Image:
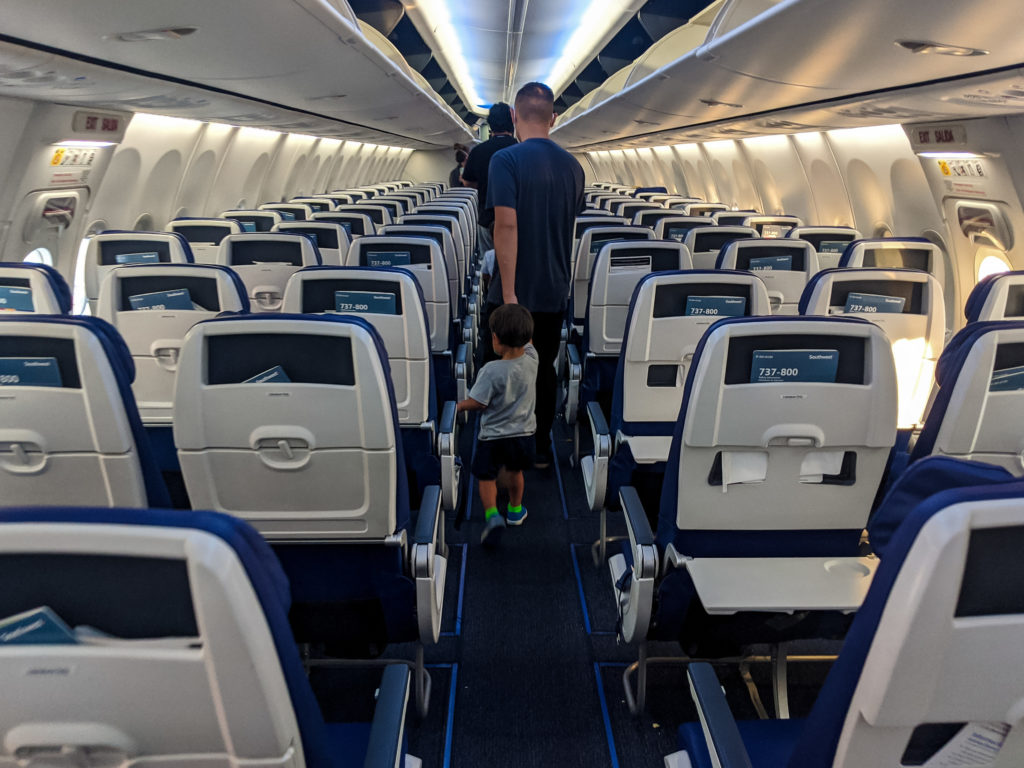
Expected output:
{"points": [[39, 256], [990, 261]]}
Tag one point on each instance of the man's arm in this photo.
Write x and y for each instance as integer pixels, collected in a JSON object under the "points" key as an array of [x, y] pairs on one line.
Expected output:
{"points": [[467, 183], [506, 245]]}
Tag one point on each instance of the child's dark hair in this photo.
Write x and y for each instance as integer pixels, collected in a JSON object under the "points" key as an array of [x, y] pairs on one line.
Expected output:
{"points": [[512, 324]]}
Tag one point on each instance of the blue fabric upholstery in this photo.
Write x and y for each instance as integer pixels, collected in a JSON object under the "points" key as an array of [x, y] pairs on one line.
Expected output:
{"points": [[923, 479], [805, 297], [57, 283], [769, 742], [189, 258], [844, 260], [660, 190], [749, 543], [947, 370], [980, 293], [817, 745], [123, 366]]}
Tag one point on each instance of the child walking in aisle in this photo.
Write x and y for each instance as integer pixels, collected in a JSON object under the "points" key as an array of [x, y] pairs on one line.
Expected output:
{"points": [[506, 392]]}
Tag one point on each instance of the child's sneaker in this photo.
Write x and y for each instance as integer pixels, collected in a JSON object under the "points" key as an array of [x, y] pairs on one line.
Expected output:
{"points": [[494, 526], [516, 518]]}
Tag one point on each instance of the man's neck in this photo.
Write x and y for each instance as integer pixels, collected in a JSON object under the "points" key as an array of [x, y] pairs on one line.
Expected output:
{"points": [[533, 131]]}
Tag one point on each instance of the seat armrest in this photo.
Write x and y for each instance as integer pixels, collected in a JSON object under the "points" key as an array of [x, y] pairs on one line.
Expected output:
{"points": [[636, 518], [427, 523], [574, 373], [448, 415], [598, 423], [447, 454], [387, 731], [463, 372], [720, 730]]}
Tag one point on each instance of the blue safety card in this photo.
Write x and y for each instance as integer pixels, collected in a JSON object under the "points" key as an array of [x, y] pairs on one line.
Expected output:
{"points": [[716, 306], [29, 372], [874, 303], [16, 299], [1007, 380], [286, 215], [275, 375], [783, 365], [347, 225], [677, 233], [365, 301], [248, 226], [40, 626], [771, 264], [837, 247], [178, 299], [388, 258], [137, 258]]}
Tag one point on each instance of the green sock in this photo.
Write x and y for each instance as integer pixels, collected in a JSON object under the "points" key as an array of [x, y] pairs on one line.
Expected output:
{"points": [[489, 513], [515, 510]]}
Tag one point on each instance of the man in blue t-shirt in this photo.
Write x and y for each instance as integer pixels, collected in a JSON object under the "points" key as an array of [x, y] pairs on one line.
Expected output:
{"points": [[536, 191]]}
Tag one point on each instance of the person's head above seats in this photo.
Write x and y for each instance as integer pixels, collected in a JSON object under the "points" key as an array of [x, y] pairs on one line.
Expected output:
{"points": [[534, 112], [499, 118]]}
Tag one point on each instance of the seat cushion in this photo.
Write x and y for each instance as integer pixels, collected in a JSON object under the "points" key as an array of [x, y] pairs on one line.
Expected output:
{"points": [[769, 742]]}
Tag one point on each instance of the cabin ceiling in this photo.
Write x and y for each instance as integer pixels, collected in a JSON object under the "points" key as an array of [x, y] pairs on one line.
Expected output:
{"points": [[808, 65], [299, 65]]}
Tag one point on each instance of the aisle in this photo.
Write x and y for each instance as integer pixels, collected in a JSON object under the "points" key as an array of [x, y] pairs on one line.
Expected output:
{"points": [[526, 690]]}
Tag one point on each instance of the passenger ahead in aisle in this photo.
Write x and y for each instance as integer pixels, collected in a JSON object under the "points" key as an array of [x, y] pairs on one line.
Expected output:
{"points": [[475, 172], [536, 191], [505, 391]]}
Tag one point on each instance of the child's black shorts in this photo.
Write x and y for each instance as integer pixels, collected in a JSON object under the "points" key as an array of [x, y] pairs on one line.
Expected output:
{"points": [[512, 453]]}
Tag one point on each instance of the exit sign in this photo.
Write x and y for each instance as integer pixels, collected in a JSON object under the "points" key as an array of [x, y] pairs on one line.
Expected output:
{"points": [[936, 138], [107, 125]]}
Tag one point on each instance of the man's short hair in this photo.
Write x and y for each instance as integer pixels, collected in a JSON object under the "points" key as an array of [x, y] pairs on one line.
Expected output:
{"points": [[460, 156], [512, 324], [500, 118], [535, 103]]}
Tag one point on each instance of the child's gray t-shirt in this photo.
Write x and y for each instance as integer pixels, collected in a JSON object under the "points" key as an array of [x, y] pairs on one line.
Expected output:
{"points": [[509, 390]]}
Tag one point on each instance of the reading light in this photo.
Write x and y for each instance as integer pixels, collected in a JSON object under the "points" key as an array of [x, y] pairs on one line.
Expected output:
{"points": [[927, 46]]}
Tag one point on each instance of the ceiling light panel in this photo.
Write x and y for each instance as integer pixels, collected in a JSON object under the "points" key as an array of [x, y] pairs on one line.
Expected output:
{"points": [[554, 40]]}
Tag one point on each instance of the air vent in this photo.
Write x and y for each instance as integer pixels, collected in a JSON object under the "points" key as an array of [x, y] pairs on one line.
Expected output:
{"points": [[148, 103], [887, 113], [40, 78], [149, 35], [717, 103]]}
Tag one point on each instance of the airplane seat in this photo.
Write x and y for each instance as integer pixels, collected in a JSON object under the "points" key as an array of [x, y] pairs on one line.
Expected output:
{"points": [[768, 487], [381, 214], [114, 248], [705, 209], [449, 222], [461, 215], [674, 227], [191, 608], [204, 235], [422, 257], [893, 253], [355, 224], [71, 432], [317, 203], [153, 307], [331, 238], [770, 226], [976, 413], [255, 220], [667, 316], [905, 303], [705, 243], [829, 242], [650, 191], [649, 217], [392, 300], [290, 422], [784, 265], [592, 239], [996, 297], [928, 674], [27, 288], [265, 261], [732, 218], [289, 211], [618, 268]]}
